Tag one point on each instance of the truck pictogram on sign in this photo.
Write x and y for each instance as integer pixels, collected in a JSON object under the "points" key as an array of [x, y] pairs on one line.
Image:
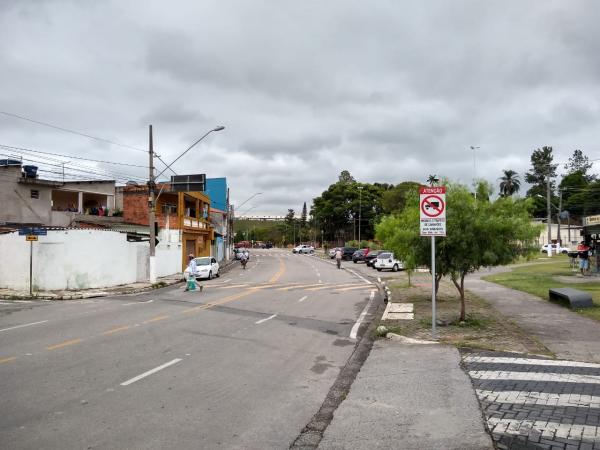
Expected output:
{"points": [[432, 207]]}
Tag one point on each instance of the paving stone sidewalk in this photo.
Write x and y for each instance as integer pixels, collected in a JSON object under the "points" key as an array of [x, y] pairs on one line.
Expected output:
{"points": [[537, 403]]}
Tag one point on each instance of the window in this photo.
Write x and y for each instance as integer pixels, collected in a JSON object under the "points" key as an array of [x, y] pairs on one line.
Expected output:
{"points": [[35, 193]]}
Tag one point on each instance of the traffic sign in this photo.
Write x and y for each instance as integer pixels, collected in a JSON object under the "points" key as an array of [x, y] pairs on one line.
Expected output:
{"points": [[31, 237], [24, 231], [432, 206], [39, 231]]}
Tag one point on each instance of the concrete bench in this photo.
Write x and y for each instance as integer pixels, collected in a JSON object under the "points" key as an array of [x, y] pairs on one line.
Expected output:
{"points": [[576, 299]]}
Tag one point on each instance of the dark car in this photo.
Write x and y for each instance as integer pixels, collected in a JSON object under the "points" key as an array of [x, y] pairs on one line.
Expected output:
{"points": [[360, 255], [269, 245], [372, 257], [347, 253]]}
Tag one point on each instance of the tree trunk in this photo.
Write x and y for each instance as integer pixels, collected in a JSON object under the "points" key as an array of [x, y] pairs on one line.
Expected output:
{"points": [[461, 290], [408, 272], [438, 278]]}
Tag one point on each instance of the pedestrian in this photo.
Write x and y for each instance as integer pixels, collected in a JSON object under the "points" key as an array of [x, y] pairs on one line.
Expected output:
{"points": [[191, 282], [338, 257], [584, 256]]}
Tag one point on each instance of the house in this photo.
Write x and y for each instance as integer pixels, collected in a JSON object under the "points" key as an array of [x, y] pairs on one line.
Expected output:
{"points": [[27, 199], [185, 212], [220, 217]]}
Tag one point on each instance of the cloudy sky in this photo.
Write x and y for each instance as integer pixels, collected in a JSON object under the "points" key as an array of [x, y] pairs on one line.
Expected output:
{"points": [[390, 90]]}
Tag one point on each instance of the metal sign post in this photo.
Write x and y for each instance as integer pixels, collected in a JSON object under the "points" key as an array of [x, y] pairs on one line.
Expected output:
{"points": [[432, 206], [31, 236]]}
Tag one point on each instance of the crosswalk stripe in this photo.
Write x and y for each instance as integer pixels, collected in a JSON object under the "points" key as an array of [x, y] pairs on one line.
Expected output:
{"points": [[539, 398], [528, 361], [534, 376]]}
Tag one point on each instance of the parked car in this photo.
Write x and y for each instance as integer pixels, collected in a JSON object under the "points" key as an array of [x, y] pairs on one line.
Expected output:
{"points": [[372, 257], [206, 267], [556, 248], [347, 253], [333, 251], [360, 255], [303, 249], [238, 253], [269, 245], [387, 261]]}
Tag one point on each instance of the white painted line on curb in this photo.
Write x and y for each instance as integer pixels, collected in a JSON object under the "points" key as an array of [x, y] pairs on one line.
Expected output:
{"points": [[150, 372], [264, 320], [358, 323], [138, 303], [303, 298], [24, 325]]}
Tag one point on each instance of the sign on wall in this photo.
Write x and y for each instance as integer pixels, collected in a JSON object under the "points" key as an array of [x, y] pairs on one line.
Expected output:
{"points": [[432, 206]]}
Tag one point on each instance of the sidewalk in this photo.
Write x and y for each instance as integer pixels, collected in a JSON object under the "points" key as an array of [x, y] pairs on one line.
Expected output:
{"points": [[565, 333], [409, 396], [132, 288]]}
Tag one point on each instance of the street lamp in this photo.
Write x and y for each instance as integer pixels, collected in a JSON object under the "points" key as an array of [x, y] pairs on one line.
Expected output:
{"points": [[474, 170], [360, 188], [248, 199], [151, 199]]}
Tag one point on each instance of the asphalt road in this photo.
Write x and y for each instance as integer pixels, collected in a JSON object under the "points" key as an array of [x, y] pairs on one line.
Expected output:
{"points": [[244, 364]]}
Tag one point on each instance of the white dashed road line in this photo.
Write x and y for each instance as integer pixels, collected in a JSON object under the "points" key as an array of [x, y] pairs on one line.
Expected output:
{"points": [[138, 303], [361, 318], [150, 372], [303, 298], [23, 326], [264, 320]]}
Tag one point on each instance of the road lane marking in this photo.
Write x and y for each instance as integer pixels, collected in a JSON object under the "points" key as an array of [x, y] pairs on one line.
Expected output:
{"points": [[362, 316], [229, 287], [318, 288], [24, 325], [527, 361], [138, 303], [303, 298], [64, 344], [353, 288], [9, 359], [115, 330], [359, 276], [281, 271], [264, 320], [156, 319], [150, 372], [297, 286]]}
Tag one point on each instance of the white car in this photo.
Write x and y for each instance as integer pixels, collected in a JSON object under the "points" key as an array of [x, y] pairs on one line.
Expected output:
{"points": [[303, 249], [387, 261], [556, 249], [206, 267]]}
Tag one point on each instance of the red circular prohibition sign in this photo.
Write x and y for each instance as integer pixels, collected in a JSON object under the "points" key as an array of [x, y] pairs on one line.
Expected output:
{"points": [[432, 206]]}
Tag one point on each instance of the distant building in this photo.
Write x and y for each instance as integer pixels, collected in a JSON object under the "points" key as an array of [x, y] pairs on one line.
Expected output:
{"points": [[28, 199]]}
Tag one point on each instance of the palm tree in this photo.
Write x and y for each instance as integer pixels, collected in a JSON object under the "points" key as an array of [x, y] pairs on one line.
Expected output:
{"points": [[509, 183], [433, 180]]}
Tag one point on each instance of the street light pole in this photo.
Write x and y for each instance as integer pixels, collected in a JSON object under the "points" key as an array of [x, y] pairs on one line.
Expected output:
{"points": [[360, 188], [151, 215], [549, 215], [474, 170]]}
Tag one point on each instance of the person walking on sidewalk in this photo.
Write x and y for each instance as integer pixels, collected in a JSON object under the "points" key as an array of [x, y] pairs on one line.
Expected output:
{"points": [[191, 282], [338, 258]]}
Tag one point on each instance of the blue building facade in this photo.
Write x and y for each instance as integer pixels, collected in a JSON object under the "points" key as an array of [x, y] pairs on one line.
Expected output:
{"points": [[217, 191]]}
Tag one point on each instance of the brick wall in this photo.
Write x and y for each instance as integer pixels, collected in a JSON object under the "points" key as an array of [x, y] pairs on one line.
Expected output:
{"points": [[135, 208]]}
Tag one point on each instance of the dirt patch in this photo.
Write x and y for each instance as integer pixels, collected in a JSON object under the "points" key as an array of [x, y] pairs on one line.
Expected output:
{"points": [[484, 327]]}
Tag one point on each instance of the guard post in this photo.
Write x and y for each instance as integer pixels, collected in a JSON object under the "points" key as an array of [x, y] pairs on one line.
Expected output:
{"points": [[432, 208]]}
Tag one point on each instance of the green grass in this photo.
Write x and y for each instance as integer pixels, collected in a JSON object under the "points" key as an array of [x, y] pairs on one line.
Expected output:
{"points": [[536, 279]]}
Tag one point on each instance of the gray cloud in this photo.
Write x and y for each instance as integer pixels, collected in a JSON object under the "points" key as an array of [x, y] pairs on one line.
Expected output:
{"points": [[389, 90]]}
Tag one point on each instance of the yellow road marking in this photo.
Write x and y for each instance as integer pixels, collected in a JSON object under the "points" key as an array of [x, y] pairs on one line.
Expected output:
{"points": [[116, 330], [219, 302], [287, 288], [9, 359], [156, 319], [281, 271], [231, 287], [354, 288], [64, 344], [318, 288]]}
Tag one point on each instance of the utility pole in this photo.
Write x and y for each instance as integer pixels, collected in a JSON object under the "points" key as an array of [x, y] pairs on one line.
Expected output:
{"points": [[549, 215], [558, 216], [151, 218]]}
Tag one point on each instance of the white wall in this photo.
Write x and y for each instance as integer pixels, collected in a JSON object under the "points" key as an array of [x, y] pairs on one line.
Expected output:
{"points": [[80, 259]]}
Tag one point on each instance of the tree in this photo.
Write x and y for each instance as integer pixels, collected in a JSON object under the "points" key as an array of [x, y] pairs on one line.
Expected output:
{"points": [[303, 223], [345, 177], [479, 233], [579, 163], [290, 226], [394, 199], [509, 183], [433, 180], [542, 170]]}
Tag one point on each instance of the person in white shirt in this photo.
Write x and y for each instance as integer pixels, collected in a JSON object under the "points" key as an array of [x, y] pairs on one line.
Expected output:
{"points": [[338, 257], [191, 273]]}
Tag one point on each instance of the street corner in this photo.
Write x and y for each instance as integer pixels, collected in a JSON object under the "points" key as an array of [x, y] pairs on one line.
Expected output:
{"points": [[533, 402]]}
